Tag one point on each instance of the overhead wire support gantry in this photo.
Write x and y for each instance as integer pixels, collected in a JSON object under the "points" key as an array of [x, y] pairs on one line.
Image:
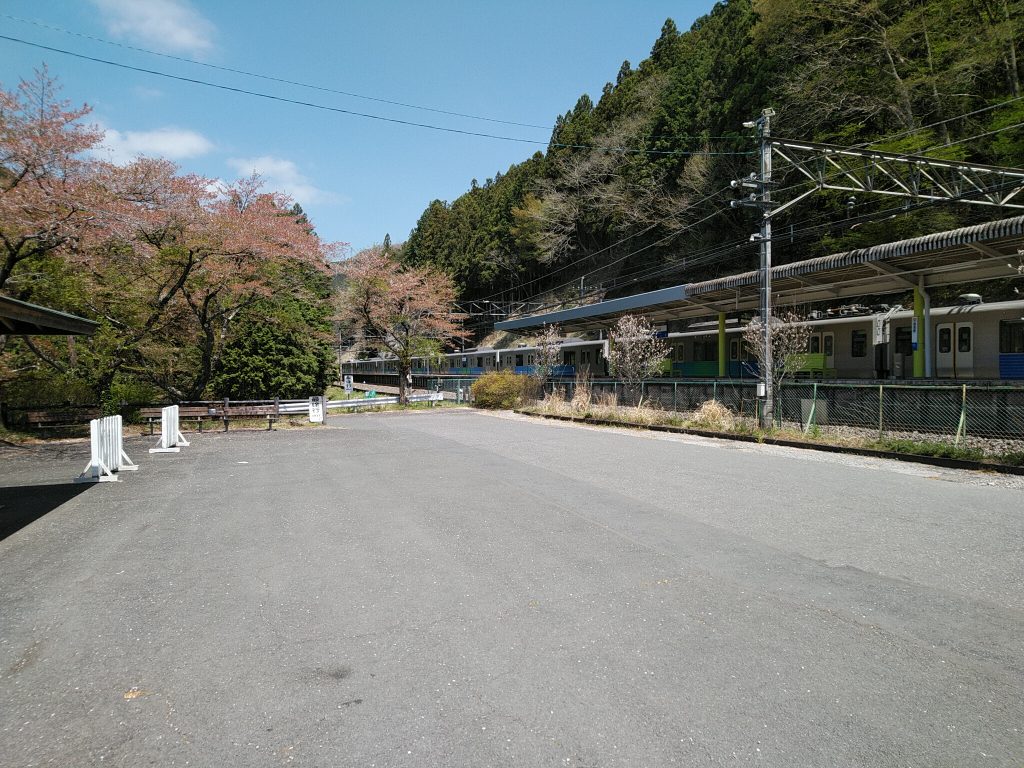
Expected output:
{"points": [[870, 171], [857, 170]]}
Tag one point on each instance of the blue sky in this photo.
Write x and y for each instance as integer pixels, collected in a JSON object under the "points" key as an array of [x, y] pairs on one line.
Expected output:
{"points": [[358, 178]]}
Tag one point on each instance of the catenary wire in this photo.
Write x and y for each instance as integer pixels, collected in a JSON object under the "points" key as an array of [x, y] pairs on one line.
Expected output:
{"points": [[326, 108], [271, 78], [325, 89]]}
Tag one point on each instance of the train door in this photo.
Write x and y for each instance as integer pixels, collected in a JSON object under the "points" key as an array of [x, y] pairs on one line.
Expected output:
{"points": [[954, 350], [823, 343]]}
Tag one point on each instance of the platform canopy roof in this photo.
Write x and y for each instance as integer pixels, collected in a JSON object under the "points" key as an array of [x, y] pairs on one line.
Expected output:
{"points": [[969, 254], [19, 318]]}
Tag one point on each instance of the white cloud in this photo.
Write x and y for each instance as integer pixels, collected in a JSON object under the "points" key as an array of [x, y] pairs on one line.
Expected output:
{"points": [[144, 93], [170, 25], [172, 143], [280, 175]]}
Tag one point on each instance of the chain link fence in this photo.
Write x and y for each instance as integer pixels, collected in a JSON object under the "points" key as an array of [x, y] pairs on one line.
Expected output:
{"points": [[987, 418]]}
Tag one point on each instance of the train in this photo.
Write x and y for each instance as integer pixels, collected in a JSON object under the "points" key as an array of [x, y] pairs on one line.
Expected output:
{"points": [[969, 341]]}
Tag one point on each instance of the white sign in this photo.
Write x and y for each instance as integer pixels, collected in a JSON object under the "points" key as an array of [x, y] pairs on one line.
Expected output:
{"points": [[881, 330], [913, 334], [316, 409], [348, 382]]}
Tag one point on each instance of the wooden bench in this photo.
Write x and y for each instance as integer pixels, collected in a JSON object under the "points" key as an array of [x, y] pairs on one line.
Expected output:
{"points": [[226, 413], [58, 418], [197, 413]]}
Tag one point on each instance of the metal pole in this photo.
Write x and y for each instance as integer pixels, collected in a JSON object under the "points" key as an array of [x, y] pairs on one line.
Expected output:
{"points": [[767, 375], [881, 401]]}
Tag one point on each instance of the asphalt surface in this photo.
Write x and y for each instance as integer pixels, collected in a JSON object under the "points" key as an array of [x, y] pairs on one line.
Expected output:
{"points": [[452, 588]]}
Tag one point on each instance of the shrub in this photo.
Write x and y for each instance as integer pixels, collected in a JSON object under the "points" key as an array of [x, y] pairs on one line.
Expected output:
{"points": [[502, 389]]}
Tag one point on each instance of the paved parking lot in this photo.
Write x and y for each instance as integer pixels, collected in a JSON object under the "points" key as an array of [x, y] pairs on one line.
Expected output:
{"points": [[456, 588]]}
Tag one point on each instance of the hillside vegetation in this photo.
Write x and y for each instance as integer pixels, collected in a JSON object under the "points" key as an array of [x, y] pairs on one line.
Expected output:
{"points": [[916, 76]]}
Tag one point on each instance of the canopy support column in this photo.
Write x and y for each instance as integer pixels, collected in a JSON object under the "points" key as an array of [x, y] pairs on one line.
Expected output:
{"points": [[723, 363]]}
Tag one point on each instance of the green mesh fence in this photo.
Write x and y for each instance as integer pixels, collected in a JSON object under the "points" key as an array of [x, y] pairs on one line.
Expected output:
{"points": [[986, 417]]}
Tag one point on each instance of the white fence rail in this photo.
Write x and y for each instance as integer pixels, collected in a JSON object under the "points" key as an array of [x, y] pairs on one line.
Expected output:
{"points": [[430, 397], [106, 444], [170, 432]]}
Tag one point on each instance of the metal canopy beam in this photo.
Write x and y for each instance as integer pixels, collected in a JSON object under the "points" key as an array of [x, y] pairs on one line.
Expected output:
{"points": [[897, 274], [20, 318]]}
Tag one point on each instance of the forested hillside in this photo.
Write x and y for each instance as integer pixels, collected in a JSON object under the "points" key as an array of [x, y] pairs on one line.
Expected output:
{"points": [[633, 191]]}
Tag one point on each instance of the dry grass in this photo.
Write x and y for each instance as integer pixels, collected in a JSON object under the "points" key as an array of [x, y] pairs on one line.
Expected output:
{"points": [[582, 394], [712, 415]]}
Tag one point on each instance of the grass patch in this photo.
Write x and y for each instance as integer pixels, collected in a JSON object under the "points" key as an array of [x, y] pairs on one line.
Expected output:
{"points": [[1013, 458], [929, 448], [339, 393]]}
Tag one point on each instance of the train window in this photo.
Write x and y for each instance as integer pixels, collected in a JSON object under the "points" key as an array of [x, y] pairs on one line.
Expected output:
{"points": [[569, 358], [705, 351], [519, 360], [734, 349], [1011, 337], [584, 356], [858, 344], [904, 345], [814, 344], [945, 340], [828, 343], [963, 338], [530, 358]]}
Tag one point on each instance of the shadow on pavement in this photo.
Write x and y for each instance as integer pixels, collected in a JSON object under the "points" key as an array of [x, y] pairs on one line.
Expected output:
{"points": [[24, 504]]}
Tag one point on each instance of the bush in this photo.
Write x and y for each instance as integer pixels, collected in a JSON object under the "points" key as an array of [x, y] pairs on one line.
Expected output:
{"points": [[503, 389]]}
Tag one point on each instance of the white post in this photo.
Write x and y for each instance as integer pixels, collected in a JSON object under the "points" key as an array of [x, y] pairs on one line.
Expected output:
{"points": [[316, 409]]}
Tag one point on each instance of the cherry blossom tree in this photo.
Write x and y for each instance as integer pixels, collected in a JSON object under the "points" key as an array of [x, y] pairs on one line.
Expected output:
{"points": [[404, 309], [549, 352], [634, 353], [47, 191], [788, 337], [185, 256]]}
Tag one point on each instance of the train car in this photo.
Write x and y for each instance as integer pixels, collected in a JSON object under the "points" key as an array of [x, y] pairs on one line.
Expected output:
{"points": [[969, 341]]}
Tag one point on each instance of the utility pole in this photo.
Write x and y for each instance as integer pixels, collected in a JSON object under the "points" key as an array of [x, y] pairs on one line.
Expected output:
{"points": [[762, 200], [768, 374]]}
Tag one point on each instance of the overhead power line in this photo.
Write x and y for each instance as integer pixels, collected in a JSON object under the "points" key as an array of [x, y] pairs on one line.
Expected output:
{"points": [[369, 116], [270, 78], [912, 131]]}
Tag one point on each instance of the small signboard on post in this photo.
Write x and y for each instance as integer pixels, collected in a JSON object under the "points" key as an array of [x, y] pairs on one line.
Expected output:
{"points": [[348, 382], [316, 409], [881, 324]]}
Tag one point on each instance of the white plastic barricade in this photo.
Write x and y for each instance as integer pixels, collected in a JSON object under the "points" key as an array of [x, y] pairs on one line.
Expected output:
{"points": [[106, 442], [170, 432]]}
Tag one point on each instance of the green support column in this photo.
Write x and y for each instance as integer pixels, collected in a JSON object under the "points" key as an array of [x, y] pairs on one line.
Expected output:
{"points": [[919, 316], [723, 362]]}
